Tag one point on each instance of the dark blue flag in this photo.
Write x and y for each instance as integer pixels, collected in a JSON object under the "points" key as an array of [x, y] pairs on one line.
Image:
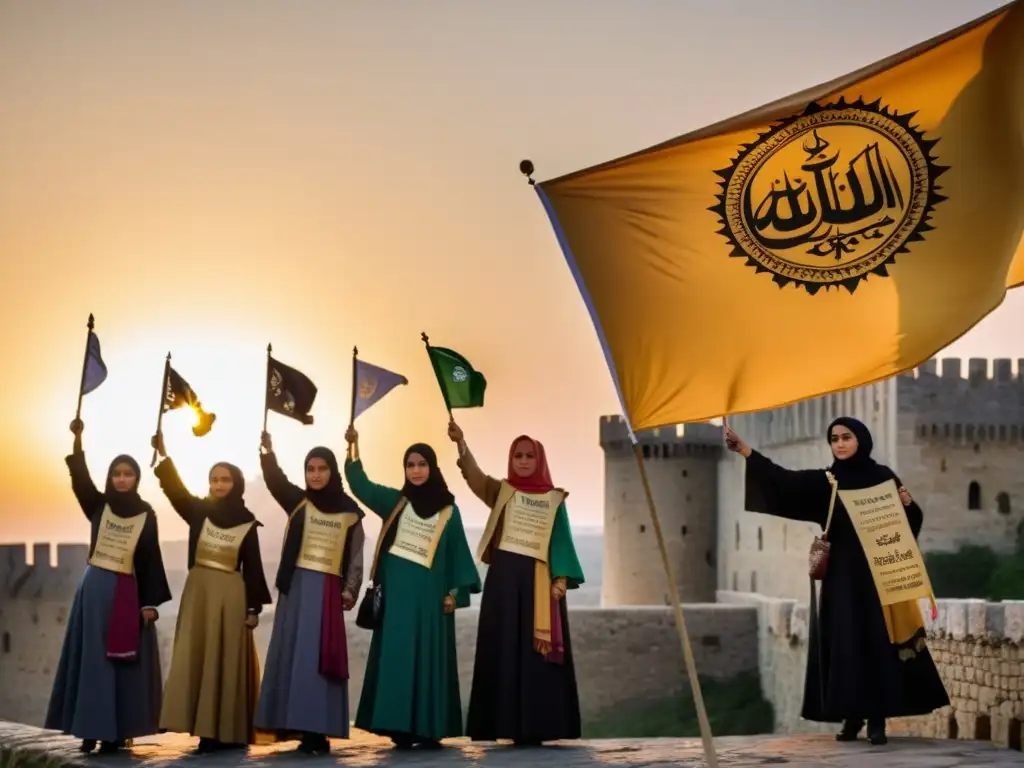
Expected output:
{"points": [[95, 371], [371, 383]]}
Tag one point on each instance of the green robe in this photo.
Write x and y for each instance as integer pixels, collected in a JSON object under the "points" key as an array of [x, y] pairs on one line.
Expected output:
{"points": [[411, 685], [562, 556]]}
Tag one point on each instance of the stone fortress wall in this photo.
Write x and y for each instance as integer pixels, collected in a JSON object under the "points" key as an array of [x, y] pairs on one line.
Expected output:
{"points": [[627, 655], [957, 442]]}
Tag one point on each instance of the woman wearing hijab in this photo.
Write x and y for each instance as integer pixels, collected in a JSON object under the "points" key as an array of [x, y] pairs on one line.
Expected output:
{"points": [[864, 662], [524, 680], [305, 686], [214, 679], [108, 685], [424, 570]]}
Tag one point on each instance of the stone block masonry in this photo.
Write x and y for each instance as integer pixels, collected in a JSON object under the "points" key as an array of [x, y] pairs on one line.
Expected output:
{"points": [[625, 655], [977, 646]]}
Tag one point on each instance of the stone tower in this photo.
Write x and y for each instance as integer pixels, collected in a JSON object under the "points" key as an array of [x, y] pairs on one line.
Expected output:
{"points": [[682, 465]]}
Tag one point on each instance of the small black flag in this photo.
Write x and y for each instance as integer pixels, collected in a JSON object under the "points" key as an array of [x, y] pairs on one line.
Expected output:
{"points": [[179, 394], [289, 392]]}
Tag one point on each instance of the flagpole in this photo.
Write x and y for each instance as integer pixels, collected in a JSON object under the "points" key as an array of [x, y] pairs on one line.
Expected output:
{"points": [[444, 392], [163, 401], [352, 410], [85, 367], [526, 168], [266, 390]]}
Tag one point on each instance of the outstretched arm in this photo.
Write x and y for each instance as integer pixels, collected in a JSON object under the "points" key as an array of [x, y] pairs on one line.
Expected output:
{"points": [[285, 493], [379, 499], [483, 486], [88, 495], [183, 502]]}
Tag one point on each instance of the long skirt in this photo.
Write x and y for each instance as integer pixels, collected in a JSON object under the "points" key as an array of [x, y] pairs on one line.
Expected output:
{"points": [[295, 698], [516, 693], [95, 697], [213, 683]]}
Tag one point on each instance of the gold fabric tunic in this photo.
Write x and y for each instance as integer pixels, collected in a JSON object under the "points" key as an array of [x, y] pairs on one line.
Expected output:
{"points": [[323, 540], [116, 542], [218, 548]]}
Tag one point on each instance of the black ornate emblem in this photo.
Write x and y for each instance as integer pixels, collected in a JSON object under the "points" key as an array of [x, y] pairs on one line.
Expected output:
{"points": [[827, 197]]}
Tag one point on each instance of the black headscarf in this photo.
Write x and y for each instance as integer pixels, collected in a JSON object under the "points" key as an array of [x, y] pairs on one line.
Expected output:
{"points": [[332, 498], [124, 503], [230, 511], [433, 495], [859, 470]]}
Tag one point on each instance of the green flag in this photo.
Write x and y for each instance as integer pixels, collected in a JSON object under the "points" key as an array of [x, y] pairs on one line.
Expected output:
{"points": [[461, 385]]}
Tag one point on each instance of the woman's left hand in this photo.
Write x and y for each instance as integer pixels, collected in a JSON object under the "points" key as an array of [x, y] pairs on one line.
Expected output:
{"points": [[149, 615], [252, 621], [449, 604], [905, 497], [347, 601], [558, 588]]}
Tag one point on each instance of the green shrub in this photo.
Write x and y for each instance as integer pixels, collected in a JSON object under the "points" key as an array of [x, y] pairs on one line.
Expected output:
{"points": [[735, 708], [974, 571]]}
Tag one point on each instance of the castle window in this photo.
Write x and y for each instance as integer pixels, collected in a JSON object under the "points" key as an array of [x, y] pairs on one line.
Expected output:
{"points": [[1003, 502], [977, 448], [753, 581], [657, 451], [760, 539], [683, 530], [685, 473], [923, 431], [735, 582], [642, 527], [974, 495], [1002, 432], [665, 451], [647, 451], [737, 536], [6, 642], [942, 465]]}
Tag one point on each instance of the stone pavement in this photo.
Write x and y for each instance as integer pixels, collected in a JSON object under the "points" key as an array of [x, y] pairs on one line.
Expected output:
{"points": [[366, 750]]}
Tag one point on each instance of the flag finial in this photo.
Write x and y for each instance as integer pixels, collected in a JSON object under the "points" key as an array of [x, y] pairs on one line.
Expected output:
{"points": [[92, 321], [526, 168]]}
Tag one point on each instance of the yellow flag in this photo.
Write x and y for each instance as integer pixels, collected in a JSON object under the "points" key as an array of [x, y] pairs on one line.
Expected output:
{"points": [[825, 241]]}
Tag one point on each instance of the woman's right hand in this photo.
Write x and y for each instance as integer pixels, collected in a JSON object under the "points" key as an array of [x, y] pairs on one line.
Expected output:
{"points": [[735, 443], [351, 436], [76, 427], [266, 443], [455, 433]]}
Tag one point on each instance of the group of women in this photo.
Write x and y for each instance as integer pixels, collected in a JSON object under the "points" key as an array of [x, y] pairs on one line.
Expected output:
{"points": [[866, 662], [109, 688]]}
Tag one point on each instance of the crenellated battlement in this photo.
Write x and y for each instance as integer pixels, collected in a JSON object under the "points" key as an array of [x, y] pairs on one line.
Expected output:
{"points": [[43, 580], [942, 404], [663, 442]]}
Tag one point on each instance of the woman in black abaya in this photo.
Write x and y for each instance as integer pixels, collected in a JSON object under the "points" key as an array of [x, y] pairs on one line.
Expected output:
{"points": [[863, 662]]}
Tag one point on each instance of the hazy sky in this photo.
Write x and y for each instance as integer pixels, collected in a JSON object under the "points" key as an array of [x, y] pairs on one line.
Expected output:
{"points": [[209, 176]]}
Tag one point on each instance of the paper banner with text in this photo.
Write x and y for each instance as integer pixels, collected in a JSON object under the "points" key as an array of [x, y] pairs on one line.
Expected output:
{"points": [[889, 545]]}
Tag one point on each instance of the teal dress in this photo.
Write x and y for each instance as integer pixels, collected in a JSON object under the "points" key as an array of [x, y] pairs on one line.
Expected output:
{"points": [[411, 686]]}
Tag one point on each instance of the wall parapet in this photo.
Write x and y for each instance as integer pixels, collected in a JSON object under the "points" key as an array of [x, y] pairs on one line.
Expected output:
{"points": [[977, 646], [43, 580]]}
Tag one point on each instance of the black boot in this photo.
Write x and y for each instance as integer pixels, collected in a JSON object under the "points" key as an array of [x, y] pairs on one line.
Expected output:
{"points": [[876, 732], [402, 742], [87, 746], [111, 747], [850, 731], [314, 744], [207, 746]]}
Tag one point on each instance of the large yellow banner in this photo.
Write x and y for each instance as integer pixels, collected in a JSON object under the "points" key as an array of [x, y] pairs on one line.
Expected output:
{"points": [[827, 240]]}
